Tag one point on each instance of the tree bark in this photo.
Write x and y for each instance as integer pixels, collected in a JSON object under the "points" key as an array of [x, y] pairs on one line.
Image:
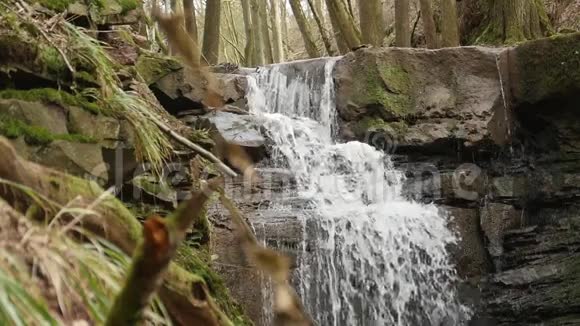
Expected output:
{"points": [[211, 31], [257, 34], [344, 22], [190, 20], [340, 42], [428, 23], [278, 47], [449, 24], [266, 45], [372, 23], [311, 48], [248, 29], [402, 28], [323, 32], [320, 11], [512, 21]]}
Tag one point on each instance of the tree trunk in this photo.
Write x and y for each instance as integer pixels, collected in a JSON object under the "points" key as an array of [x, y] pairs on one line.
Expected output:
{"points": [[190, 20], [344, 22], [284, 25], [402, 28], [278, 48], [372, 23], [211, 32], [449, 24], [248, 29], [323, 32], [257, 35], [320, 11], [340, 42], [266, 45], [304, 30], [428, 23], [512, 21]]}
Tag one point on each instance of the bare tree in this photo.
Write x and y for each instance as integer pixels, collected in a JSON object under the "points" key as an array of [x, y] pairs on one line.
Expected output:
{"points": [[344, 21], [326, 39], [402, 28], [211, 31], [428, 23], [449, 23], [264, 30], [311, 48], [278, 47], [372, 23]]}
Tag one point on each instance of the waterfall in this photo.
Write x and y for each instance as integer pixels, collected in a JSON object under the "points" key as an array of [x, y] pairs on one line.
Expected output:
{"points": [[369, 255]]}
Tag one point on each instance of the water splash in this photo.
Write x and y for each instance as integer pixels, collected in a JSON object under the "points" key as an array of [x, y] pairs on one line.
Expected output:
{"points": [[369, 256]]}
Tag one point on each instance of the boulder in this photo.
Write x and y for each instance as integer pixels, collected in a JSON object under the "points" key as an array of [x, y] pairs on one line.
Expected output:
{"points": [[105, 130], [426, 97], [75, 158], [49, 116], [178, 91], [452, 93]]}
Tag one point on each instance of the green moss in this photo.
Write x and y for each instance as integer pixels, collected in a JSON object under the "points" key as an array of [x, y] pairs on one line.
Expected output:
{"points": [[56, 5], [548, 67], [52, 61], [192, 261], [388, 86], [151, 67], [368, 124], [85, 77], [128, 5], [50, 95], [35, 135]]}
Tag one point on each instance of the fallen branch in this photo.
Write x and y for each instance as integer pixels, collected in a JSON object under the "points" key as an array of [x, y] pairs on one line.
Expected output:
{"points": [[187, 143]]}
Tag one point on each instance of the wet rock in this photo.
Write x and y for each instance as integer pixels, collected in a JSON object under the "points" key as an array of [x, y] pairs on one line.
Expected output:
{"points": [[539, 282], [496, 220], [469, 254]]}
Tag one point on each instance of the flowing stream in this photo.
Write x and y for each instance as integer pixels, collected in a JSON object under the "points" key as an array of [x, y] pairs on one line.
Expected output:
{"points": [[369, 255]]}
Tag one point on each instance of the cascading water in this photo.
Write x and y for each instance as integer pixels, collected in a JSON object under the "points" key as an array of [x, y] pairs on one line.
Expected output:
{"points": [[369, 255]]}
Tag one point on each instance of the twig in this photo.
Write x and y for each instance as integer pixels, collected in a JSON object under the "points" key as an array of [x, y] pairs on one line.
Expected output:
{"points": [[161, 237], [43, 33], [186, 142]]}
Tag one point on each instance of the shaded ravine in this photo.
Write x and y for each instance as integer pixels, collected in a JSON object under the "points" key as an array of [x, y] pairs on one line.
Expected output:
{"points": [[369, 256]]}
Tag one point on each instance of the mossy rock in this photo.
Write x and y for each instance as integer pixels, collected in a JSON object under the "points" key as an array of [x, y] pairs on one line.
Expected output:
{"points": [[50, 96], [376, 124], [152, 66], [100, 7], [382, 83], [546, 68]]}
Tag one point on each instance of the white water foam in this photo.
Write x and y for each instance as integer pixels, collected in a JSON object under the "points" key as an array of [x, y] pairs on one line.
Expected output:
{"points": [[369, 255]]}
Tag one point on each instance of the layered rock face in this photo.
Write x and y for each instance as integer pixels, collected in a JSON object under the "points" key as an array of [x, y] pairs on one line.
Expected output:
{"points": [[490, 135]]}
